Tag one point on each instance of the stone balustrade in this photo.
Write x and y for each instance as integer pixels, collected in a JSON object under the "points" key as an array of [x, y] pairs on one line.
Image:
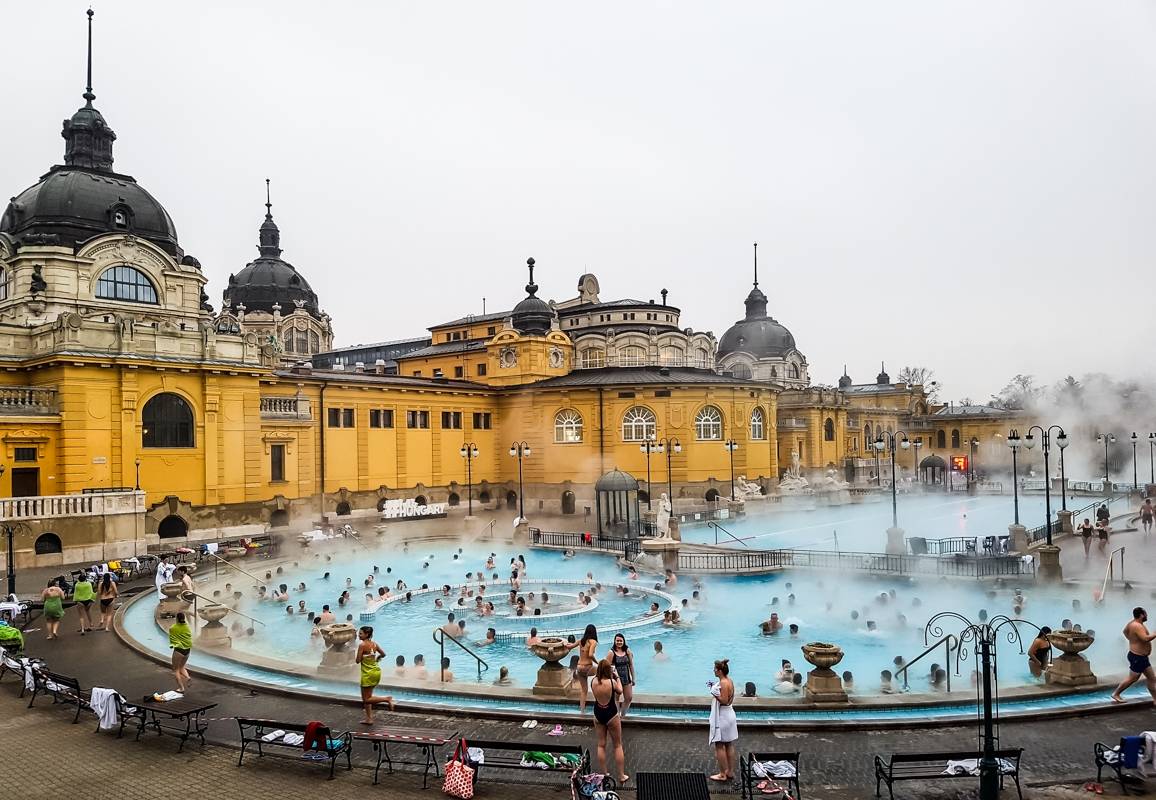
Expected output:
{"points": [[27, 401], [71, 505], [285, 408]]}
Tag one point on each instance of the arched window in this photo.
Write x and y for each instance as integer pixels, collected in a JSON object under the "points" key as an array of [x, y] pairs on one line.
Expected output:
{"points": [[795, 371], [173, 527], [125, 283], [639, 425], [741, 371], [567, 426], [829, 430], [633, 356], [167, 421], [708, 424], [454, 499], [593, 358], [314, 342], [344, 509], [955, 437], [867, 435], [940, 440], [701, 358], [758, 424], [48, 544]]}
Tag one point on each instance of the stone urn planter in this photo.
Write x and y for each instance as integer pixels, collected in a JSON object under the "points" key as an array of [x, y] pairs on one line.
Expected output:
{"points": [[823, 684], [173, 600], [337, 657], [213, 633], [1070, 668], [553, 678]]}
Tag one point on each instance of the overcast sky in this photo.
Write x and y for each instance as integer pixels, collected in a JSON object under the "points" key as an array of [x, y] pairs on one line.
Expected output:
{"points": [[966, 186]]}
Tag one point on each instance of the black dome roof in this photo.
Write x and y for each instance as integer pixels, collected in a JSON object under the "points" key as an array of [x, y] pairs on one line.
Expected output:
{"points": [[616, 481], [270, 279], [758, 334], [533, 315]]}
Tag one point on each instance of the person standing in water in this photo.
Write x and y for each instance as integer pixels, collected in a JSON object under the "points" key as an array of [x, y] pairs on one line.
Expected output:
{"points": [[1139, 650], [181, 640], [724, 726], [368, 653]]}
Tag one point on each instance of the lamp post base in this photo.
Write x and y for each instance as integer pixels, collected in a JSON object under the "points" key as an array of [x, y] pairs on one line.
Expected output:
{"points": [[1050, 569], [1065, 520], [896, 544], [1019, 539]]}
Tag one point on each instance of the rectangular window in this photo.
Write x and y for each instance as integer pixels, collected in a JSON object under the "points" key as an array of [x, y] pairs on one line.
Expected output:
{"points": [[437, 373], [381, 418], [417, 373], [483, 420], [334, 418], [456, 336], [626, 395], [459, 372], [662, 393], [347, 417], [491, 331], [25, 454], [277, 462], [447, 337], [481, 370], [417, 419], [452, 420]]}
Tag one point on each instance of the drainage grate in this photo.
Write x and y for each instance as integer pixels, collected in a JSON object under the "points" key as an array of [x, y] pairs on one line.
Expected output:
{"points": [[672, 786]]}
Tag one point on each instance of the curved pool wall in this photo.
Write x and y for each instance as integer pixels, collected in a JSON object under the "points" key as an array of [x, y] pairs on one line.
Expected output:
{"points": [[283, 655]]}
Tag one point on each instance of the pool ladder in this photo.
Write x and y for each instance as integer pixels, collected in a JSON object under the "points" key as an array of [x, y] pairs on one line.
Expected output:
{"points": [[440, 637]]}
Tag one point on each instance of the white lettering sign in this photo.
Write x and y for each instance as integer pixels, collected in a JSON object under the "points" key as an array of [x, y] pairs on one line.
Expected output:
{"points": [[405, 509]]}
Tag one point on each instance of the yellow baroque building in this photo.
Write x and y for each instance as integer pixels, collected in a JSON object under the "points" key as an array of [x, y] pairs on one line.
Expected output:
{"points": [[131, 412]]}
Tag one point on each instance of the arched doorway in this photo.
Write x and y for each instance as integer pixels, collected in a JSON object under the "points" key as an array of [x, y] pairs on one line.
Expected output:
{"points": [[643, 496], [279, 519], [454, 499], [420, 500], [712, 495], [568, 502], [173, 527], [511, 499], [48, 544], [485, 496], [344, 509]]}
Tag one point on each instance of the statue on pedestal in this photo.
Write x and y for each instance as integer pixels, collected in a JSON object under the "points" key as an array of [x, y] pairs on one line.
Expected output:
{"points": [[662, 522]]}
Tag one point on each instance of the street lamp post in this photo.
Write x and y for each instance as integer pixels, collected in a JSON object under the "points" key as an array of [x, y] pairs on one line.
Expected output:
{"points": [[731, 445], [918, 443], [138, 474], [1135, 477], [469, 451], [1106, 439], [648, 447], [1045, 446], [671, 445], [890, 443], [1014, 442], [520, 450], [971, 464], [1152, 458]]}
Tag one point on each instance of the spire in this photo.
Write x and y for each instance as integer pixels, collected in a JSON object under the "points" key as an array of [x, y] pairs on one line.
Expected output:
{"points": [[270, 234], [88, 95], [844, 379], [882, 378], [531, 287], [533, 315], [756, 265], [88, 139], [756, 301]]}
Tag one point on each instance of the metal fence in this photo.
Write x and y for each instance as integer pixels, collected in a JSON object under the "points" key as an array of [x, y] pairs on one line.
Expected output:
{"points": [[960, 565], [574, 540], [1041, 533]]}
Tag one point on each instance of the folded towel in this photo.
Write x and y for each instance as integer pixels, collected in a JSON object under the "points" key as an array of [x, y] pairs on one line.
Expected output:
{"points": [[294, 739], [274, 736], [773, 769]]}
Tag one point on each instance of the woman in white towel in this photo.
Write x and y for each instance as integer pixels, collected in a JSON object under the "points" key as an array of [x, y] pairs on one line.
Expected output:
{"points": [[724, 727]]}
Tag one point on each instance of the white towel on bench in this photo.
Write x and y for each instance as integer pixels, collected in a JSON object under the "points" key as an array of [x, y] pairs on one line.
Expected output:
{"points": [[294, 739], [773, 769], [104, 705], [273, 736], [970, 766]]}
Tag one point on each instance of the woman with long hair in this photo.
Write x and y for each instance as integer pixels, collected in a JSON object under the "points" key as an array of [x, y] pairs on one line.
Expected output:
{"points": [[368, 653], [587, 658], [108, 593], [181, 640], [623, 661], [724, 727], [606, 687]]}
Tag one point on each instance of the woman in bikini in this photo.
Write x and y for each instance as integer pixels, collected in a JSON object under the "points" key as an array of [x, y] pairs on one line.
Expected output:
{"points": [[623, 661], [587, 659], [368, 653], [606, 688], [108, 593]]}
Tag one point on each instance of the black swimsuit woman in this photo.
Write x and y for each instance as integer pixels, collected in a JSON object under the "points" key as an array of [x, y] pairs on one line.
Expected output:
{"points": [[605, 688]]}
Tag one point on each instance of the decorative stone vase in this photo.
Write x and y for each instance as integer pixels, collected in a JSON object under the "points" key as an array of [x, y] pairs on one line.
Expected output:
{"points": [[553, 678], [823, 684], [1071, 668], [172, 602], [213, 633], [336, 657]]}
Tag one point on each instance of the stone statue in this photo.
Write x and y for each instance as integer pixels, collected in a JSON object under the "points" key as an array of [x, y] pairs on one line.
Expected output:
{"points": [[662, 522], [795, 471], [832, 483], [746, 490], [793, 481]]}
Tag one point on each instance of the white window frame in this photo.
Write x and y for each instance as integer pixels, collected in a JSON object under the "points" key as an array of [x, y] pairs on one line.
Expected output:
{"points": [[639, 424], [567, 427], [708, 424]]}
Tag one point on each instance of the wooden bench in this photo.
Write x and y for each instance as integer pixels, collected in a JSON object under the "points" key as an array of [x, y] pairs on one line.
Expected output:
{"points": [[63, 689], [933, 766], [18, 665], [428, 741], [750, 779], [508, 755], [335, 744], [126, 712], [1110, 757]]}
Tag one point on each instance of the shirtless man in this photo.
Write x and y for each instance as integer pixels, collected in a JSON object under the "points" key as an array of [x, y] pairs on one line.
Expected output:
{"points": [[1139, 649], [1146, 514]]}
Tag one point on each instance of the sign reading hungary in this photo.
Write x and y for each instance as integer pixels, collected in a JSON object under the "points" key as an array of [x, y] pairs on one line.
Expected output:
{"points": [[409, 509]]}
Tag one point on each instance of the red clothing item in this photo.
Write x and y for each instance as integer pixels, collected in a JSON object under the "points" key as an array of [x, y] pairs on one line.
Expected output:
{"points": [[315, 735]]}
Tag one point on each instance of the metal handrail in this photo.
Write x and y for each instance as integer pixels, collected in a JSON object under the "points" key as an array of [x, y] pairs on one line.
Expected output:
{"points": [[440, 636], [718, 528], [947, 641]]}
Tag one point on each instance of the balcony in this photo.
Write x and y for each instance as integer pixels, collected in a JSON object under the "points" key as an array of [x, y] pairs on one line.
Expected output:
{"points": [[71, 505], [27, 401], [285, 408], [792, 424]]}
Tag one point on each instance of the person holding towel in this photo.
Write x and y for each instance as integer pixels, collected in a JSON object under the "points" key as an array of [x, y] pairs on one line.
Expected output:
{"points": [[368, 653], [724, 726]]}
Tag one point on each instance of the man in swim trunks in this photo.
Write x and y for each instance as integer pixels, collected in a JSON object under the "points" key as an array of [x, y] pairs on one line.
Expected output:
{"points": [[1139, 650], [1147, 511]]}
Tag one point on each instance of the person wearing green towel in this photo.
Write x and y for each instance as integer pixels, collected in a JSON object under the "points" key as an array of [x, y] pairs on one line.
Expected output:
{"points": [[181, 640], [368, 653], [83, 595], [53, 597]]}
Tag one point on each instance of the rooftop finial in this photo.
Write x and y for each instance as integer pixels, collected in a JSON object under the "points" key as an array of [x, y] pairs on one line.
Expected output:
{"points": [[88, 95], [756, 263], [268, 201], [530, 264]]}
